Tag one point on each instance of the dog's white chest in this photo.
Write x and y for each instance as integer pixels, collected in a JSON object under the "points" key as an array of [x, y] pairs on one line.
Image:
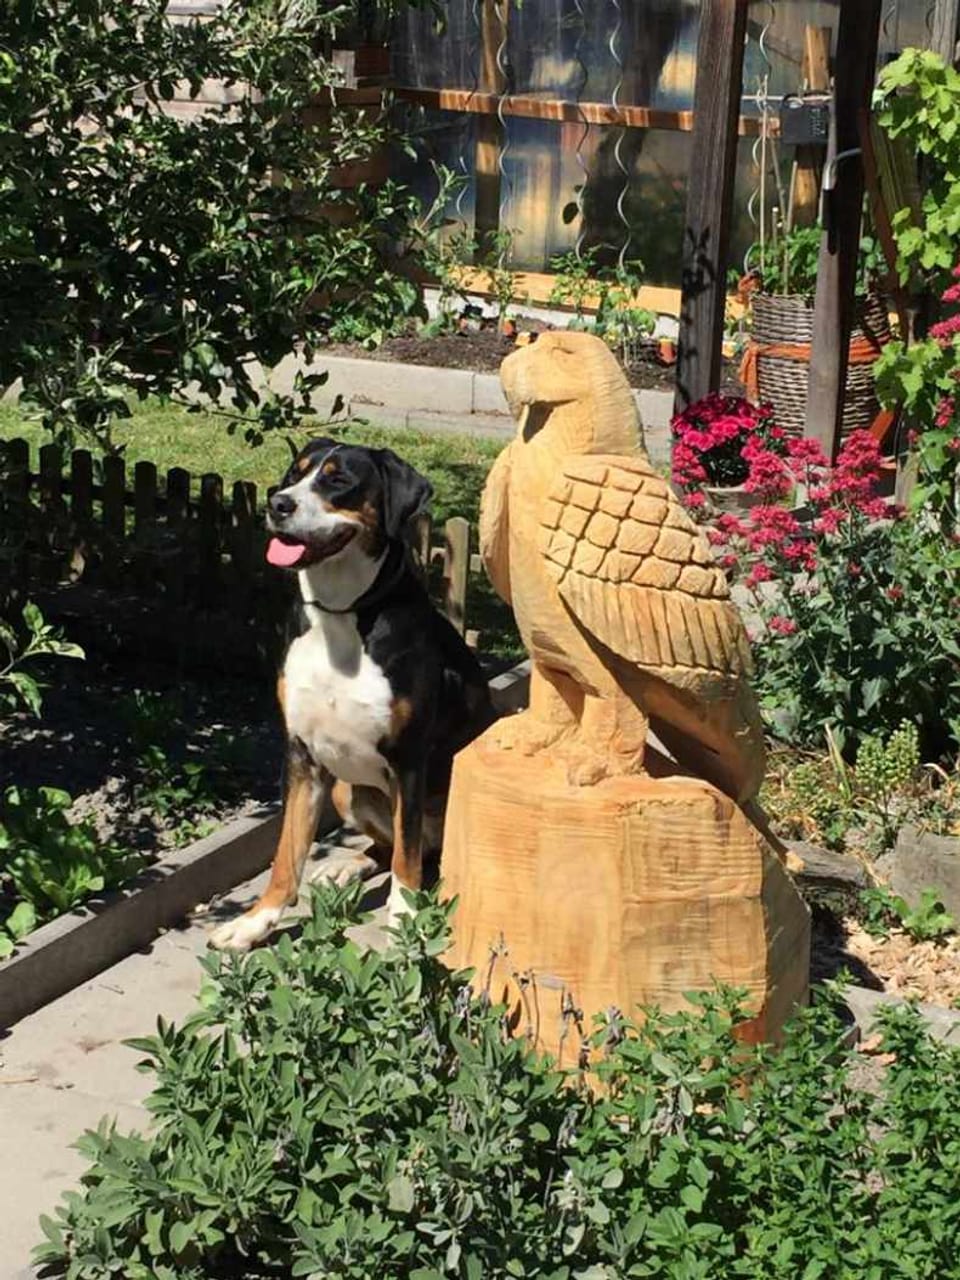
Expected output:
{"points": [[338, 702]]}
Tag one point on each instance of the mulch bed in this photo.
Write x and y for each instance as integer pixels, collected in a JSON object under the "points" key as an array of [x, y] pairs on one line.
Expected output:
{"points": [[484, 350], [895, 965]]}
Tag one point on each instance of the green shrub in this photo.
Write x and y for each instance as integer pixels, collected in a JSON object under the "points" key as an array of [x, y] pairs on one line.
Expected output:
{"points": [[335, 1112]]}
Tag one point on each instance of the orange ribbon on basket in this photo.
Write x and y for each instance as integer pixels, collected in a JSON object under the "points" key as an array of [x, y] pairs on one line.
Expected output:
{"points": [[863, 350]]}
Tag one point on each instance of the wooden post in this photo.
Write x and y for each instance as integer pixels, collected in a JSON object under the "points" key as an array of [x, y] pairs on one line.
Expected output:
{"points": [[456, 566], [209, 519], [805, 178], [114, 497], [706, 236], [178, 516], [943, 35], [486, 217], [854, 74], [15, 478], [144, 523], [81, 487], [51, 478]]}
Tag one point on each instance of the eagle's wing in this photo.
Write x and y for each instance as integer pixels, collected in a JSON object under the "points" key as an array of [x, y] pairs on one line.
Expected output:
{"points": [[495, 524], [636, 574]]}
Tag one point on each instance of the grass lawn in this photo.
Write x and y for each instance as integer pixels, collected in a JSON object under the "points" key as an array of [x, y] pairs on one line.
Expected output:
{"points": [[170, 437]]}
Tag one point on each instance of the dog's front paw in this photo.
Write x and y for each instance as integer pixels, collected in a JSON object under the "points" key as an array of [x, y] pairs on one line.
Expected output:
{"points": [[246, 930]]}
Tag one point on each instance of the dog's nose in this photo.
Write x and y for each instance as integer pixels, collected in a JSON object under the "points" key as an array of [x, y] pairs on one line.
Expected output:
{"points": [[282, 505]]}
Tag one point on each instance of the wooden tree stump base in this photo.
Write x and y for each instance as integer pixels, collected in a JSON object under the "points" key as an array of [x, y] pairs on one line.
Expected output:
{"points": [[632, 891]]}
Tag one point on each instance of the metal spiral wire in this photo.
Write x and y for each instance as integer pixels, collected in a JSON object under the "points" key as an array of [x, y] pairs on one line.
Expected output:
{"points": [[585, 133], [929, 20], [614, 46], [758, 196], [890, 13], [465, 168], [503, 66]]}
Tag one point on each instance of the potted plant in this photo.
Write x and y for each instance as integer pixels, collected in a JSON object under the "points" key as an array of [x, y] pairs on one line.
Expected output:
{"points": [[716, 441], [776, 361]]}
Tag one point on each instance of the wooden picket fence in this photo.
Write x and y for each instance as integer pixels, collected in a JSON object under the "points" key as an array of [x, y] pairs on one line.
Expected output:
{"points": [[187, 539]]}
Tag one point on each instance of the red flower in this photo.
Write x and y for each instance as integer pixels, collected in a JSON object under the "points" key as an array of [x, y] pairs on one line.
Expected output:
{"points": [[946, 330], [759, 573], [782, 626], [854, 569], [895, 593]]}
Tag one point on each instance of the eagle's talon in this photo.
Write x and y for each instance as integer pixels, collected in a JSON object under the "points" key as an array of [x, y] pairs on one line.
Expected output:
{"points": [[525, 735]]}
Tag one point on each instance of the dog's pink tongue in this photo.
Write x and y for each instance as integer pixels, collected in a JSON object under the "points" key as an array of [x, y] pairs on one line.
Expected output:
{"points": [[285, 554]]}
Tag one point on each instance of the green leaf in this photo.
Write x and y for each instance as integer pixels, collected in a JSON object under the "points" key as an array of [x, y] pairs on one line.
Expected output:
{"points": [[400, 1194], [21, 920], [181, 1233]]}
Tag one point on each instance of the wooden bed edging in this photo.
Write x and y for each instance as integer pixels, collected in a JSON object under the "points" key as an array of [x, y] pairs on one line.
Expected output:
{"points": [[77, 946]]}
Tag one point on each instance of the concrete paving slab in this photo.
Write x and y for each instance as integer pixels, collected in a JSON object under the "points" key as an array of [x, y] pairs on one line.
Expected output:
{"points": [[65, 1066], [488, 395], [485, 425]]}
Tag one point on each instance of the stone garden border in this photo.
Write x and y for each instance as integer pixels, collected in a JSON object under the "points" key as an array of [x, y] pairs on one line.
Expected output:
{"points": [[77, 946], [864, 1005]]}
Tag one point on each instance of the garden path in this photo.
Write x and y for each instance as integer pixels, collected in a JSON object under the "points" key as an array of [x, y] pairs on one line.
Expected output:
{"points": [[65, 1066]]}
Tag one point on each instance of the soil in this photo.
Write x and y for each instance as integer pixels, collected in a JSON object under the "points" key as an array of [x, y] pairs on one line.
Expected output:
{"points": [[95, 730], [483, 350]]}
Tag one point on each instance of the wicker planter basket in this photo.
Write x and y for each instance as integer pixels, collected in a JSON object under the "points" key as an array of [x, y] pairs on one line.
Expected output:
{"points": [[775, 369]]}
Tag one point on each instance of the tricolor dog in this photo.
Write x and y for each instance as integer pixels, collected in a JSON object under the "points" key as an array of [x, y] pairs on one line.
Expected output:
{"points": [[378, 692]]}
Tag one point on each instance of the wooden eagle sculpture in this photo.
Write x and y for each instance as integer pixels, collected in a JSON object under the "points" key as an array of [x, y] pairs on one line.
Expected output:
{"points": [[627, 621]]}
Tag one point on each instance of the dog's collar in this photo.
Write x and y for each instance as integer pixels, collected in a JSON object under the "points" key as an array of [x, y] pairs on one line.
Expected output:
{"points": [[379, 589]]}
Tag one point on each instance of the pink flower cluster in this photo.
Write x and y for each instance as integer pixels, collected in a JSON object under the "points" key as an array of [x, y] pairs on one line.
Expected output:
{"points": [[947, 334], [714, 440], [770, 541]]}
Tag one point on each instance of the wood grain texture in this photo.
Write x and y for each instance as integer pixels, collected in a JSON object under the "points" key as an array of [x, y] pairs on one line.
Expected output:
{"points": [[944, 29], [632, 892], [706, 235]]}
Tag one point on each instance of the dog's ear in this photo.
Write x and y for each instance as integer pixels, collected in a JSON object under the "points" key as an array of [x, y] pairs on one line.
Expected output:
{"points": [[405, 492]]}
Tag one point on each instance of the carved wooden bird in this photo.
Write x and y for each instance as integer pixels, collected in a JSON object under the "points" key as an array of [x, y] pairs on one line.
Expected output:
{"points": [[627, 621]]}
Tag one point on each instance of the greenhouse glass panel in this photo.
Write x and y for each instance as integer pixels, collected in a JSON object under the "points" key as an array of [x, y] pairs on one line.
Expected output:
{"points": [[568, 177]]}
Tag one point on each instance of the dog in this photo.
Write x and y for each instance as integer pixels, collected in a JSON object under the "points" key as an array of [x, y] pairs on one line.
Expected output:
{"points": [[378, 691]]}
